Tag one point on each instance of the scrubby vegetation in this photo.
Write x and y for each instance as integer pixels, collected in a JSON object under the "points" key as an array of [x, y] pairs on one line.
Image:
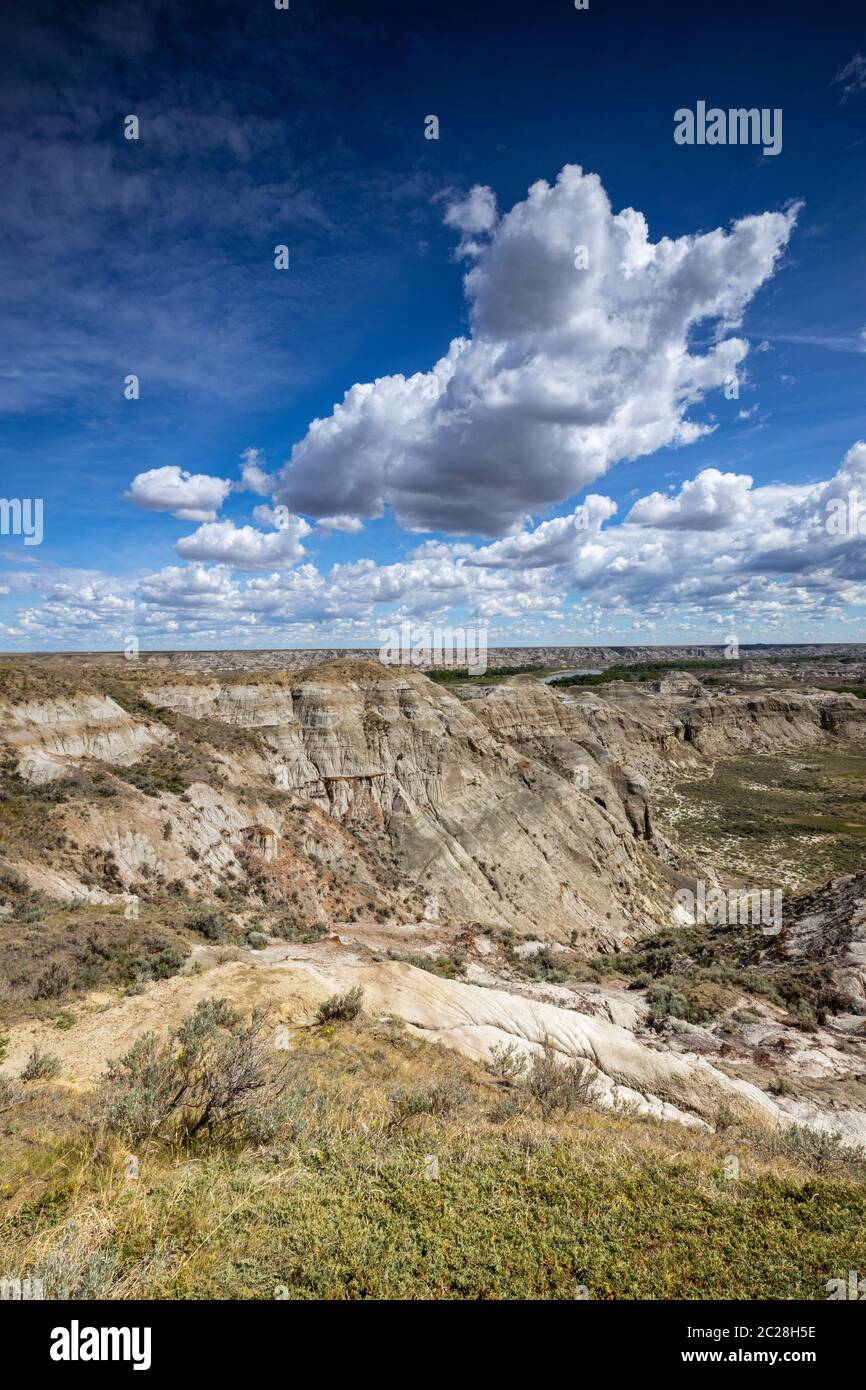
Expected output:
{"points": [[695, 973], [41, 1066], [214, 1077], [461, 674], [546, 1079], [447, 967], [341, 1008], [210, 924], [54, 954], [650, 670], [768, 818], [552, 966], [342, 1201], [444, 1096], [49, 954]]}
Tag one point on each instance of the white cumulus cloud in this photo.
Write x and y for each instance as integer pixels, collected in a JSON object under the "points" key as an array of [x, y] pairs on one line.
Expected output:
{"points": [[341, 522], [189, 496], [566, 371], [711, 502], [722, 553], [245, 547], [254, 475]]}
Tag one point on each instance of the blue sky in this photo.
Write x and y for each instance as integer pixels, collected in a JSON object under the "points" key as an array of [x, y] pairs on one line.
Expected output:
{"points": [[305, 127]]}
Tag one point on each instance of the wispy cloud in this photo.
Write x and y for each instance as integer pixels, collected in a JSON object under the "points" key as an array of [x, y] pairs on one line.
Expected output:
{"points": [[852, 76]]}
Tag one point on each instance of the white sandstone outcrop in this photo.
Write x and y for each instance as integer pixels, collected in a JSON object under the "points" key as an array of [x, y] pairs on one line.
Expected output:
{"points": [[473, 1021]]}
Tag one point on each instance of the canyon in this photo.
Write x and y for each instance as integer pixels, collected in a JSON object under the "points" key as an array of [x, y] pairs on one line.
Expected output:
{"points": [[507, 828]]}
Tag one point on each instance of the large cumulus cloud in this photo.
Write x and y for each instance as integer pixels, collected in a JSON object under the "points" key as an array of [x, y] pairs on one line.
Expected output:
{"points": [[576, 360]]}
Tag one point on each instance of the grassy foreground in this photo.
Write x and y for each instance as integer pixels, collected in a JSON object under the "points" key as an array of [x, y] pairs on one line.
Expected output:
{"points": [[401, 1172]]}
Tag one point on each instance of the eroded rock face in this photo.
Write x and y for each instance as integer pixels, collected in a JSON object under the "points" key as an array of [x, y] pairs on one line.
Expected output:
{"points": [[496, 835], [520, 805], [648, 728], [263, 841], [49, 736], [458, 817], [829, 929]]}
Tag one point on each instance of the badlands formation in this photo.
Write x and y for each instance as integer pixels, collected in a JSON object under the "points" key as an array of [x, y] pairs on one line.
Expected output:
{"points": [[486, 861]]}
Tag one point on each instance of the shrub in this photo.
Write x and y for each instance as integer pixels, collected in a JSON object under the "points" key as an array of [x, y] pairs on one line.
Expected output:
{"points": [[256, 940], [822, 1152], [557, 1085], [666, 1002], [287, 927], [53, 982], [341, 1008], [41, 1066], [71, 1271], [211, 925], [141, 1091], [781, 1086], [541, 965], [160, 966], [508, 1062], [442, 1097], [9, 1093], [213, 1078], [446, 967]]}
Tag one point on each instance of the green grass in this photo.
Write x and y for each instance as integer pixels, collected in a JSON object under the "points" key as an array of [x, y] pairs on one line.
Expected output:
{"points": [[497, 1225], [504, 1220], [791, 820]]}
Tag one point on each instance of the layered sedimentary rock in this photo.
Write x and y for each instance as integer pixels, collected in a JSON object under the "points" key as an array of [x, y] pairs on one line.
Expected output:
{"points": [[474, 815], [516, 805], [47, 737], [496, 835]]}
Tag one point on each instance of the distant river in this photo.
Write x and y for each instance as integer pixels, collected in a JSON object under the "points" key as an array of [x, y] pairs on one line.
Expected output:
{"points": [[560, 675]]}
